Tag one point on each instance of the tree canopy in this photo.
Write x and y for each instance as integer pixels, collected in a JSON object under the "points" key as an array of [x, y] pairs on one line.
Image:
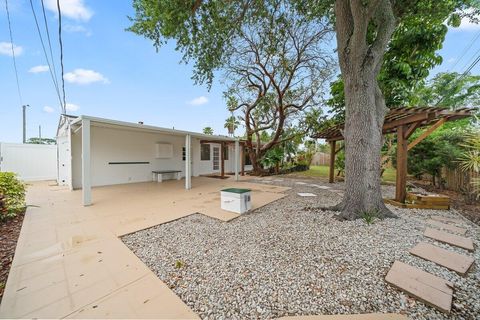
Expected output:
{"points": [[206, 31]]}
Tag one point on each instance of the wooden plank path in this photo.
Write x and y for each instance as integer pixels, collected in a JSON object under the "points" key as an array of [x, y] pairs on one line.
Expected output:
{"points": [[422, 285], [364, 316], [447, 219], [448, 259], [449, 238], [447, 227]]}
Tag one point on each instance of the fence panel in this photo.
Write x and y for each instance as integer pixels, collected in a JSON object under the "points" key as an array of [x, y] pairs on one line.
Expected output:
{"points": [[459, 180], [30, 161]]}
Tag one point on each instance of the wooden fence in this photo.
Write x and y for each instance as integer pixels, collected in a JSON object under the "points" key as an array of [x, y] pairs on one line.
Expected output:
{"points": [[320, 159], [459, 180]]}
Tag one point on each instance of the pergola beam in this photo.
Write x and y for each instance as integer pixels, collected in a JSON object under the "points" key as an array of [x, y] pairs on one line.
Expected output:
{"points": [[426, 133]]}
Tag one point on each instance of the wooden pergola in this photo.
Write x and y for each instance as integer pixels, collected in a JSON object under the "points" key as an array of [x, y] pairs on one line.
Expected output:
{"points": [[402, 121]]}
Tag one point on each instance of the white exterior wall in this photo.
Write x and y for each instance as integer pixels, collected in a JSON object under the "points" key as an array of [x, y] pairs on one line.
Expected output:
{"points": [[124, 145], [31, 162]]}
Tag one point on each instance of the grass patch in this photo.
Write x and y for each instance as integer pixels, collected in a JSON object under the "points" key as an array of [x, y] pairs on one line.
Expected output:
{"points": [[369, 216], [322, 172]]}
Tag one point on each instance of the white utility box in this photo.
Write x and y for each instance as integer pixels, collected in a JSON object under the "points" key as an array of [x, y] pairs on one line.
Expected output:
{"points": [[236, 200]]}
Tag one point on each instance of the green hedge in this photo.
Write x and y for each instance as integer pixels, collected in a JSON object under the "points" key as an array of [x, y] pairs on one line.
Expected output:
{"points": [[13, 191]]}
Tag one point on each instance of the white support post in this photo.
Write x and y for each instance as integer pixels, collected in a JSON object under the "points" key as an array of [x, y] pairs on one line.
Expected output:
{"points": [[237, 154], [188, 162], [86, 175]]}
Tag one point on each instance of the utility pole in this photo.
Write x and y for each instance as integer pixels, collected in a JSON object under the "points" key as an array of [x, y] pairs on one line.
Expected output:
{"points": [[40, 131], [24, 110]]}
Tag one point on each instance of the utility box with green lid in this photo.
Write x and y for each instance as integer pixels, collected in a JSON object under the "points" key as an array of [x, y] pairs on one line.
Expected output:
{"points": [[236, 199]]}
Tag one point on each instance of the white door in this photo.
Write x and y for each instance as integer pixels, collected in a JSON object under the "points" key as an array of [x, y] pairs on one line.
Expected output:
{"points": [[216, 158]]}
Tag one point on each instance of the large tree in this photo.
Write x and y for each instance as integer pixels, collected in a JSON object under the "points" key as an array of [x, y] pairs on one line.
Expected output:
{"points": [[276, 69], [204, 29]]}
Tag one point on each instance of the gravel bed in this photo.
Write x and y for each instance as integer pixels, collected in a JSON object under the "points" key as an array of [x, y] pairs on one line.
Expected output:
{"points": [[283, 259]]}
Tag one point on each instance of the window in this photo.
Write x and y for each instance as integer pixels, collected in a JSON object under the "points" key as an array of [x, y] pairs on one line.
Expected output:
{"points": [[184, 153], [225, 153], [205, 152]]}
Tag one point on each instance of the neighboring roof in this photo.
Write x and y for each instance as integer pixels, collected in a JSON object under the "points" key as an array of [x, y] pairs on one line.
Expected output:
{"points": [[421, 116], [143, 127]]}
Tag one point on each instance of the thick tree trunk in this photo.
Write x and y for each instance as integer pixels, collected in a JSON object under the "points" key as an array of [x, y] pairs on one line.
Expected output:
{"points": [[255, 160], [363, 143], [360, 63]]}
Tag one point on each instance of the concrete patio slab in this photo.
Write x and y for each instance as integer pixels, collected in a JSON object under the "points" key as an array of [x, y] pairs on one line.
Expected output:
{"points": [[69, 261]]}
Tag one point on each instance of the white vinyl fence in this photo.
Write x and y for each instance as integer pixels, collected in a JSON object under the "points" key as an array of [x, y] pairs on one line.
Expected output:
{"points": [[30, 161]]}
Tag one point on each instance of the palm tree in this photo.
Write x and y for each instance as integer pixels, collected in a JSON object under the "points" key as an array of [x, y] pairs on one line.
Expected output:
{"points": [[470, 160], [208, 130], [231, 123]]}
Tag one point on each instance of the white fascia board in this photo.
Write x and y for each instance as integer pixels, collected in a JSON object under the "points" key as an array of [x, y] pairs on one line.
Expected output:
{"points": [[153, 128]]}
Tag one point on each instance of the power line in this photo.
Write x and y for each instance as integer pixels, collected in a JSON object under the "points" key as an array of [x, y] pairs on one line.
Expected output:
{"points": [[55, 84], [13, 52], [61, 54], [465, 50], [464, 74], [49, 43]]}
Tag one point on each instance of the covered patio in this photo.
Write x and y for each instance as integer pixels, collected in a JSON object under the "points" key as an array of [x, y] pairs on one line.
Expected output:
{"points": [[70, 263], [101, 152]]}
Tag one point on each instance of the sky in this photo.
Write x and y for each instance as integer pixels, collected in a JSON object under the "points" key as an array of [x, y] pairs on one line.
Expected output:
{"points": [[116, 74]]}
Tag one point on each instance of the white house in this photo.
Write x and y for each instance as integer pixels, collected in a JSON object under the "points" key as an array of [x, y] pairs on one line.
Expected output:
{"points": [[98, 152]]}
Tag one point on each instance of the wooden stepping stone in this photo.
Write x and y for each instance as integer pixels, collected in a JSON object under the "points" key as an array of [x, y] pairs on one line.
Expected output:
{"points": [[422, 285], [449, 238], [448, 259], [447, 227], [446, 219]]}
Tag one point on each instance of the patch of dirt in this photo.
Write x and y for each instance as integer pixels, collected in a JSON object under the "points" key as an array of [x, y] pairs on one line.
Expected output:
{"points": [[9, 232], [471, 211]]}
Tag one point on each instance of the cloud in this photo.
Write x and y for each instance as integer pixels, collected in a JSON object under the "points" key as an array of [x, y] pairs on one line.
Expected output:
{"points": [[73, 9], [48, 109], [6, 49], [198, 101], [77, 28], [71, 107], [38, 69], [452, 60], [84, 76]]}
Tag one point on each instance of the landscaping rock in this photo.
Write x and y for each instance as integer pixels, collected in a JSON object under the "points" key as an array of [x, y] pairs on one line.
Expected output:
{"points": [[290, 258]]}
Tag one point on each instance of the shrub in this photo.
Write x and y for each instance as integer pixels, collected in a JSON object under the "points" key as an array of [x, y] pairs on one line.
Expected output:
{"points": [[13, 191]]}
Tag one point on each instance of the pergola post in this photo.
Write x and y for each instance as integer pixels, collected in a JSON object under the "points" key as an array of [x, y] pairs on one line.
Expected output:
{"points": [[86, 172], [222, 159], [237, 154], [188, 162], [401, 176], [331, 176]]}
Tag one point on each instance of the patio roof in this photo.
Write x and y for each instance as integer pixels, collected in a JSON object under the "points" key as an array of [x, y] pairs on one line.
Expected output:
{"points": [[109, 123]]}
